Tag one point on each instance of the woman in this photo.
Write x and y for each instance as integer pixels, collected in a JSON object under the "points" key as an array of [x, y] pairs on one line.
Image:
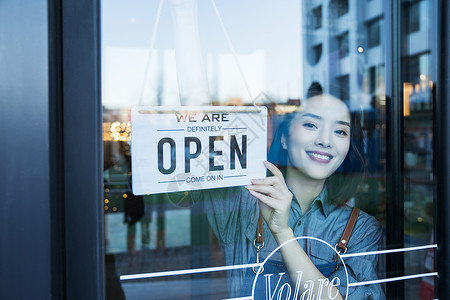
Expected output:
{"points": [[301, 199]]}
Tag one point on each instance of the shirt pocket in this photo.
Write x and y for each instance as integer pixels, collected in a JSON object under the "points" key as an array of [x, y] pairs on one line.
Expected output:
{"points": [[320, 254], [250, 232]]}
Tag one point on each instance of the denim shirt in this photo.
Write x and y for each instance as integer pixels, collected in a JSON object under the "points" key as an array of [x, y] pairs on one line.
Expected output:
{"points": [[233, 216]]}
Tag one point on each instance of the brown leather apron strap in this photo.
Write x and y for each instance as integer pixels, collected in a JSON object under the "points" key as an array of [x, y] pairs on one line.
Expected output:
{"points": [[260, 230], [258, 242], [343, 242]]}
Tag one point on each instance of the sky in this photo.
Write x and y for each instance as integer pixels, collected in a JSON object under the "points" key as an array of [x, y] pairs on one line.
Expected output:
{"points": [[254, 27]]}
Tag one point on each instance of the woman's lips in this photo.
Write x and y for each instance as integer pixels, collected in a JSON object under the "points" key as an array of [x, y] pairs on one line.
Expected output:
{"points": [[320, 157]]}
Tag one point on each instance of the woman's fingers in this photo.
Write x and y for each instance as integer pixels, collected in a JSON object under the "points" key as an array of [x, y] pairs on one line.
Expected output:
{"points": [[272, 168], [282, 197], [271, 191], [274, 196], [276, 180], [264, 189], [269, 201], [273, 186], [272, 180]]}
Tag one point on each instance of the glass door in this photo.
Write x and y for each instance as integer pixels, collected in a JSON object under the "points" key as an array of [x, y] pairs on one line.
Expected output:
{"points": [[178, 54]]}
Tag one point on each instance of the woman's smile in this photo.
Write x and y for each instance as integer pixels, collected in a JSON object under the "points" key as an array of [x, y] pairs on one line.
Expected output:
{"points": [[320, 157]]}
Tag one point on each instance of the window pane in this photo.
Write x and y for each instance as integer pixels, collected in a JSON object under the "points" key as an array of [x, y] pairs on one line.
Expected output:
{"points": [[418, 83], [412, 17], [373, 28], [338, 8], [343, 45], [317, 17], [322, 76]]}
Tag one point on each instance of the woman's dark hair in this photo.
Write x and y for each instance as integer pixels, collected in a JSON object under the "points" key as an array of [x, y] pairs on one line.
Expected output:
{"points": [[343, 183]]}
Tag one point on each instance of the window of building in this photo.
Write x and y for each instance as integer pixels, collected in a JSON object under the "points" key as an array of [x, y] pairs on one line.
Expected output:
{"points": [[317, 17], [412, 17], [344, 87], [416, 16], [338, 8], [372, 79], [343, 45], [314, 89], [317, 52], [314, 54], [373, 33]]}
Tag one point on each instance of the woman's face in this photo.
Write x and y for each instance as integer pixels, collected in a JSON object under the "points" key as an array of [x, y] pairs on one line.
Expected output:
{"points": [[319, 137]]}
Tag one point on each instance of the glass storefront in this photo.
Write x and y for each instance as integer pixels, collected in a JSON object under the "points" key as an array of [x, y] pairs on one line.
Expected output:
{"points": [[290, 58]]}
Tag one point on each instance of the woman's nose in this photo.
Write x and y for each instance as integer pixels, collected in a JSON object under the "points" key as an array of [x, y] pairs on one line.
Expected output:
{"points": [[323, 139]]}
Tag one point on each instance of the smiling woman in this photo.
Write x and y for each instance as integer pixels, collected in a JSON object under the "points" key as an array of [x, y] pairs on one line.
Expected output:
{"points": [[305, 197]]}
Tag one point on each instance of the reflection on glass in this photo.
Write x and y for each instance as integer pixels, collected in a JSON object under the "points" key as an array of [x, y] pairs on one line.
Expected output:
{"points": [[317, 17], [418, 87], [338, 8], [184, 52], [373, 33], [343, 45]]}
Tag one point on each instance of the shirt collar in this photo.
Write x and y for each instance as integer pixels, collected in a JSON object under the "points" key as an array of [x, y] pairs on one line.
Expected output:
{"points": [[327, 205], [321, 200]]}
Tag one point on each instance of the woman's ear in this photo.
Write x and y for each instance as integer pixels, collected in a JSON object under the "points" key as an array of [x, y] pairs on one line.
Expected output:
{"points": [[284, 142]]}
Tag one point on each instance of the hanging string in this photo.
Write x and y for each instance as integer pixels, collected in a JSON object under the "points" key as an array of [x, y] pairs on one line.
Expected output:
{"points": [[230, 44], [152, 46]]}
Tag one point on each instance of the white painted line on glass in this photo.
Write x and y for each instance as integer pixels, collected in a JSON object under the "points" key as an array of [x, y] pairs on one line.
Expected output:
{"points": [[389, 251], [180, 111], [226, 268], [393, 279], [187, 271]]}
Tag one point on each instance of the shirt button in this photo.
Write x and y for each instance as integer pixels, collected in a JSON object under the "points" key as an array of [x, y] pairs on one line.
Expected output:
{"points": [[299, 223]]}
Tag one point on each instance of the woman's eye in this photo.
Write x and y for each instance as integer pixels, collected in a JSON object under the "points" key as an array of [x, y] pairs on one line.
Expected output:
{"points": [[309, 125], [341, 132]]}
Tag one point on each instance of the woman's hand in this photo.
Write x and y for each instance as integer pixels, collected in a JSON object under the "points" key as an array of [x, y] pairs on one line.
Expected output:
{"points": [[275, 199]]}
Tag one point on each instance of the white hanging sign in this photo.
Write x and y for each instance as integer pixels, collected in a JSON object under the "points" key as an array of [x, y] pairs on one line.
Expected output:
{"points": [[190, 148]]}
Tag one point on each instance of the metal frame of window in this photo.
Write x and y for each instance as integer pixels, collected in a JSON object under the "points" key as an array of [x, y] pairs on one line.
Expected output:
{"points": [[56, 150], [394, 104], [51, 216], [27, 243], [442, 146], [83, 148]]}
